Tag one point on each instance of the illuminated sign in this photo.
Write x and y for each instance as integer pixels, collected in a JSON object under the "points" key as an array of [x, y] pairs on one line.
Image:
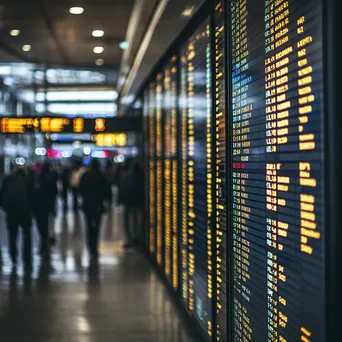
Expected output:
{"points": [[19, 125], [221, 198], [114, 139], [78, 125], [100, 125], [170, 177], [278, 171], [196, 247]]}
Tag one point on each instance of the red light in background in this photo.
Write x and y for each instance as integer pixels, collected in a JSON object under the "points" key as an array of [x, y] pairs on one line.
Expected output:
{"points": [[50, 153]]}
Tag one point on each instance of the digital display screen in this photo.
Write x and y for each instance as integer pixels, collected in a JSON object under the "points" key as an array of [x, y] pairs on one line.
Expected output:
{"points": [[159, 167], [147, 158], [196, 168], [170, 173], [152, 168], [167, 173], [111, 139], [278, 170], [174, 170], [20, 125], [220, 174]]}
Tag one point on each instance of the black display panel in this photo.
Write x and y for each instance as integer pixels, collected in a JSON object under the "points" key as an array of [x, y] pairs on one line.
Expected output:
{"points": [[174, 168], [159, 169], [197, 187], [278, 170], [220, 173], [152, 168], [147, 156], [170, 202], [167, 175], [55, 124], [184, 259]]}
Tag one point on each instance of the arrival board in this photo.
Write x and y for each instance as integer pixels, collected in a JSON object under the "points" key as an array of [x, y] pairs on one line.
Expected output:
{"points": [[278, 170], [196, 168]]}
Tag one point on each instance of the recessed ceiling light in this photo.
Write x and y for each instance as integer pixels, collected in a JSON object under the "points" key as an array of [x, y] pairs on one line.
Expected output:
{"points": [[76, 10], [124, 45], [99, 62], [14, 33], [98, 33], [26, 47], [98, 49], [188, 11]]}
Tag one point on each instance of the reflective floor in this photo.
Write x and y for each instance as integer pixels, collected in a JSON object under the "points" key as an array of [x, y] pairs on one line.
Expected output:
{"points": [[71, 300]]}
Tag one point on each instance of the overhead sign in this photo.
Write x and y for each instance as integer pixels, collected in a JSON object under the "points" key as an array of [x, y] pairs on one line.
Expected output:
{"points": [[111, 139], [19, 125]]}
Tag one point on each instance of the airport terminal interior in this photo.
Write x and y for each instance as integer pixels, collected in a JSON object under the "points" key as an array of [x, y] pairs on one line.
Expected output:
{"points": [[169, 171]]}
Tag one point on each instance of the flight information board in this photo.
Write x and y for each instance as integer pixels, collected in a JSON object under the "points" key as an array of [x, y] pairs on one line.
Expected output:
{"points": [[220, 173], [174, 168], [278, 170], [184, 259], [152, 168], [20, 125], [170, 213], [167, 174], [147, 158], [196, 190], [159, 168]]}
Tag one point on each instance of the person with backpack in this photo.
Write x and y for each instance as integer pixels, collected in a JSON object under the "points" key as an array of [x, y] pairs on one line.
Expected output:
{"points": [[16, 200]]}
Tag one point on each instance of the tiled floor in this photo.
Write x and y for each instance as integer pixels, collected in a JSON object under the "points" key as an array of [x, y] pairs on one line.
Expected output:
{"points": [[70, 300]]}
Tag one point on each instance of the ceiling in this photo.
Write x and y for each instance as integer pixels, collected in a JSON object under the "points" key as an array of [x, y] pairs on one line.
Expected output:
{"points": [[60, 38], [172, 21], [64, 41]]}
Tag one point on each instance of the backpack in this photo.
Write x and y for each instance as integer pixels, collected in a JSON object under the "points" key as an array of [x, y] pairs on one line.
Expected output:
{"points": [[15, 197]]}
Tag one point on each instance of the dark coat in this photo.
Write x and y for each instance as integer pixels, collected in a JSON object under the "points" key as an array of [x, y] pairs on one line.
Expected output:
{"points": [[94, 191], [132, 188], [23, 208], [45, 191]]}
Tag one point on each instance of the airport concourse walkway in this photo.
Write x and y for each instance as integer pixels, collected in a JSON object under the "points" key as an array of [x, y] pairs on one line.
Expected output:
{"points": [[69, 300]]}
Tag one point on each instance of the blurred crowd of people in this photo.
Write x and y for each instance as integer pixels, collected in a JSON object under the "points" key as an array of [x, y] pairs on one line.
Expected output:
{"points": [[31, 193]]}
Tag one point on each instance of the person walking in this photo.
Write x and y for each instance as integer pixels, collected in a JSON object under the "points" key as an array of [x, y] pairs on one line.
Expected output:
{"points": [[133, 200], [121, 174], [94, 192], [16, 200], [53, 176], [74, 181], [44, 200], [109, 176], [65, 186]]}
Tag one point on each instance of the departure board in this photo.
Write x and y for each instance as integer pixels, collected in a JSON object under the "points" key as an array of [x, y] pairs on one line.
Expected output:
{"points": [[196, 189], [174, 168], [20, 125], [152, 169], [278, 170], [220, 174], [147, 158], [170, 173], [159, 168], [167, 174], [184, 259]]}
